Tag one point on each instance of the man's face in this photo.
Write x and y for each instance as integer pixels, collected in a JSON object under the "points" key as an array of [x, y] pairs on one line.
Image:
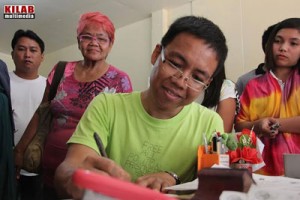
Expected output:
{"points": [[197, 62], [27, 55]]}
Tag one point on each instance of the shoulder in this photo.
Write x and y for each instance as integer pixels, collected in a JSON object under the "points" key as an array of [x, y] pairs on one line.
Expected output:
{"points": [[113, 103], [125, 98], [258, 79], [118, 77], [69, 67], [246, 77], [42, 78], [257, 84], [203, 112], [69, 70], [12, 74], [4, 77], [14, 78], [227, 90], [228, 84], [115, 69]]}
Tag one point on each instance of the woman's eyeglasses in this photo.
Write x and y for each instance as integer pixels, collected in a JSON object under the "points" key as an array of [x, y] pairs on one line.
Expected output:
{"points": [[90, 38]]}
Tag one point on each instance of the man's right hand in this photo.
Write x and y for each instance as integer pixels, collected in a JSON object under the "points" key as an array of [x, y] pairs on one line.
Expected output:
{"points": [[105, 166], [83, 157]]}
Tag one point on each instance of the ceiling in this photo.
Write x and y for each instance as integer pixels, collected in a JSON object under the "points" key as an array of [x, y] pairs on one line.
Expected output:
{"points": [[56, 20]]}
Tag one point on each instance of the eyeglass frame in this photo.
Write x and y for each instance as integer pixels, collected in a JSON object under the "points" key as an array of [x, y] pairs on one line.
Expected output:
{"points": [[99, 40], [164, 60]]}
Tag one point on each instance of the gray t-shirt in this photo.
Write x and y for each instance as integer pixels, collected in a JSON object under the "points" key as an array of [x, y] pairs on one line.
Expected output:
{"points": [[243, 80]]}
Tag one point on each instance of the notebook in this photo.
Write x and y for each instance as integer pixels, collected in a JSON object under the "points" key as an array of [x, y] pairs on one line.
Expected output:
{"points": [[291, 165]]}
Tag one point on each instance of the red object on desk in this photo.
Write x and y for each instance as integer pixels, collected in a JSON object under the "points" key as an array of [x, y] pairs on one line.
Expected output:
{"points": [[115, 188]]}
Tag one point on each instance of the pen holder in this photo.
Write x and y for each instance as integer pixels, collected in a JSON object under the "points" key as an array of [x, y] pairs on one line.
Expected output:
{"points": [[207, 160]]}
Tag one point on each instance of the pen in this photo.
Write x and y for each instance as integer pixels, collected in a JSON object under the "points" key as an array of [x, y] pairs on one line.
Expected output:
{"points": [[100, 145], [205, 144]]}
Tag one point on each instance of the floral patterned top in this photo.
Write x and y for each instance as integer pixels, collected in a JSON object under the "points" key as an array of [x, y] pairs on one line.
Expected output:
{"points": [[69, 104]]}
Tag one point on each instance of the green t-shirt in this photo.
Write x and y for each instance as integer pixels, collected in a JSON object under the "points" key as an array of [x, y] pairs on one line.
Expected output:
{"points": [[142, 144]]}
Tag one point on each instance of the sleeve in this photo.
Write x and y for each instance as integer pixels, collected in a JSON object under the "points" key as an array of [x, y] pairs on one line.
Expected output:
{"points": [[227, 90], [124, 84]]}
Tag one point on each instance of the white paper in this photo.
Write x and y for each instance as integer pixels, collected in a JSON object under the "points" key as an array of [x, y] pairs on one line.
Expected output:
{"points": [[268, 188], [90, 195], [233, 195], [193, 185]]}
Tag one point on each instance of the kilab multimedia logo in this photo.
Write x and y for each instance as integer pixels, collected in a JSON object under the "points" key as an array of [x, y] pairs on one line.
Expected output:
{"points": [[18, 11]]}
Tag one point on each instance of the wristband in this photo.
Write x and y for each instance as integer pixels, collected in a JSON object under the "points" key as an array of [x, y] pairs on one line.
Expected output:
{"points": [[177, 179]]}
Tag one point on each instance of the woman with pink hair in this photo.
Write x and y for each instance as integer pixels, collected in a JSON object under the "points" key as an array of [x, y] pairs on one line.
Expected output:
{"points": [[81, 82]]}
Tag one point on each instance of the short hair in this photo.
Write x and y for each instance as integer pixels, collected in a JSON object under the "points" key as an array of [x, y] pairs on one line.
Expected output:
{"points": [[99, 19], [266, 36], [292, 23], [201, 28], [205, 29], [29, 34]]}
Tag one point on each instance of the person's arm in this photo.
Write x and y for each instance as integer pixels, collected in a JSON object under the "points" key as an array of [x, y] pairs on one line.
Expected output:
{"points": [[262, 127], [289, 125], [27, 136], [84, 157], [226, 109]]}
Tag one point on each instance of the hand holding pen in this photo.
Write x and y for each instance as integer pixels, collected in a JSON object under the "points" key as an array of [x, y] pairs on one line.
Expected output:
{"points": [[108, 166]]}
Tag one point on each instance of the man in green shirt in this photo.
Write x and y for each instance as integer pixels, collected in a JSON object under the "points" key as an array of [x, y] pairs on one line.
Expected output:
{"points": [[151, 137]]}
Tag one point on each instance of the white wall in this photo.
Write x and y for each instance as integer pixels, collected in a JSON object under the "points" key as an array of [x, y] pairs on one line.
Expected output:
{"points": [[227, 15], [242, 21], [8, 61], [132, 52]]}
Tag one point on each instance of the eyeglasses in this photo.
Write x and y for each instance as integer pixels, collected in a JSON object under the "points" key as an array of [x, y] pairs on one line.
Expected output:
{"points": [[194, 82], [89, 38]]}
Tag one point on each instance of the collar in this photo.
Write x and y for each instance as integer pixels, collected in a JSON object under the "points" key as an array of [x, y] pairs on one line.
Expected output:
{"points": [[280, 82]]}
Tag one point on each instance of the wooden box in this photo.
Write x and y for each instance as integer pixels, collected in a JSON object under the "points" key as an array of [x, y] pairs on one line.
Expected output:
{"points": [[212, 181]]}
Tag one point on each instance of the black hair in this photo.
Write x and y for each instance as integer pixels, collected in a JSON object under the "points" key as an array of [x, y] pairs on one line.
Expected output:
{"points": [[205, 29], [212, 93], [293, 23], [29, 34], [266, 36], [202, 28]]}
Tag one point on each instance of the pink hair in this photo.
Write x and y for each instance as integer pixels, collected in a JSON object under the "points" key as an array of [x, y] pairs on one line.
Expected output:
{"points": [[98, 19]]}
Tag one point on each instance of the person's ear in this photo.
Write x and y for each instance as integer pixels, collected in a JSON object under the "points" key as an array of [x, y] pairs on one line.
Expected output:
{"points": [[155, 54], [42, 57]]}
